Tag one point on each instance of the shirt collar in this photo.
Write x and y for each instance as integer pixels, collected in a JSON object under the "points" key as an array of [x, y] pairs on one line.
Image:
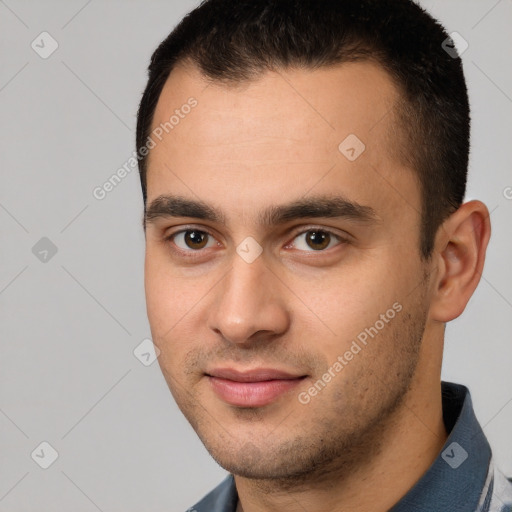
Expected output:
{"points": [[456, 478], [453, 482]]}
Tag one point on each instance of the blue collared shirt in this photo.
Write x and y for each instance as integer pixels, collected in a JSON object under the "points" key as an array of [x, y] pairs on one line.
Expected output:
{"points": [[463, 478]]}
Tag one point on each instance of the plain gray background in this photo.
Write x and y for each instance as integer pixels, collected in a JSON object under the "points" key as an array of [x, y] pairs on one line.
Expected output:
{"points": [[70, 324]]}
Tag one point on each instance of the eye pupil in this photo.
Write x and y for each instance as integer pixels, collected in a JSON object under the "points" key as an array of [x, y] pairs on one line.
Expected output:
{"points": [[195, 239], [318, 237]]}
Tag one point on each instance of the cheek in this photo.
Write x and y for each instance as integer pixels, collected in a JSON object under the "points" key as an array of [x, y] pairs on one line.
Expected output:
{"points": [[167, 300], [173, 304], [344, 302], [163, 311]]}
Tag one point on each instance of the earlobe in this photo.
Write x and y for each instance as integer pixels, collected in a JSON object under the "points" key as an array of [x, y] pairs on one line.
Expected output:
{"points": [[460, 252]]}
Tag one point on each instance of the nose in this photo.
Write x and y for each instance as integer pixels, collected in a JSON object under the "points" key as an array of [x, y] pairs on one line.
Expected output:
{"points": [[249, 303]]}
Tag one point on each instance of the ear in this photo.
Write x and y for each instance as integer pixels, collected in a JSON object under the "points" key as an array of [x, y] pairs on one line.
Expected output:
{"points": [[459, 254]]}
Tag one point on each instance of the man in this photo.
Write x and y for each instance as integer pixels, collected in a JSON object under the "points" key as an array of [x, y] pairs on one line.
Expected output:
{"points": [[306, 243]]}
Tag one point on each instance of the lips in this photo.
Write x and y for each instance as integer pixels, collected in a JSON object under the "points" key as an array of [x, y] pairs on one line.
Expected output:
{"points": [[252, 388]]}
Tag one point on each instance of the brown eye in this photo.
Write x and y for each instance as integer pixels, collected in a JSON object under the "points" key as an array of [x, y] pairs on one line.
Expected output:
{"points": [[316, 240], [192, 239], [196, 239]]}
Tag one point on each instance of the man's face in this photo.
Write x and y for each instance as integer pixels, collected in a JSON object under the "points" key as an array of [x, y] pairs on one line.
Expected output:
{"points": [[222, 313]]}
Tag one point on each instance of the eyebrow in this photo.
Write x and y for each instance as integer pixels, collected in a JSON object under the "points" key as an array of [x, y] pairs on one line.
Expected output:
{"points": [[166, 206]]}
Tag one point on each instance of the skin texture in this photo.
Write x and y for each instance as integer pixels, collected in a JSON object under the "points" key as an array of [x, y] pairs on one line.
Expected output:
{"points": [[364, 440]]}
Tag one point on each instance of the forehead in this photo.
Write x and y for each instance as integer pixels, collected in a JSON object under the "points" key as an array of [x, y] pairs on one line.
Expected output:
{"points": [[288, 132], [347, 97]]}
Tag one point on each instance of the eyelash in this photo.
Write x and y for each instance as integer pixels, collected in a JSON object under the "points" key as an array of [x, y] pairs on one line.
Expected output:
{"points": [[191, 253]]}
